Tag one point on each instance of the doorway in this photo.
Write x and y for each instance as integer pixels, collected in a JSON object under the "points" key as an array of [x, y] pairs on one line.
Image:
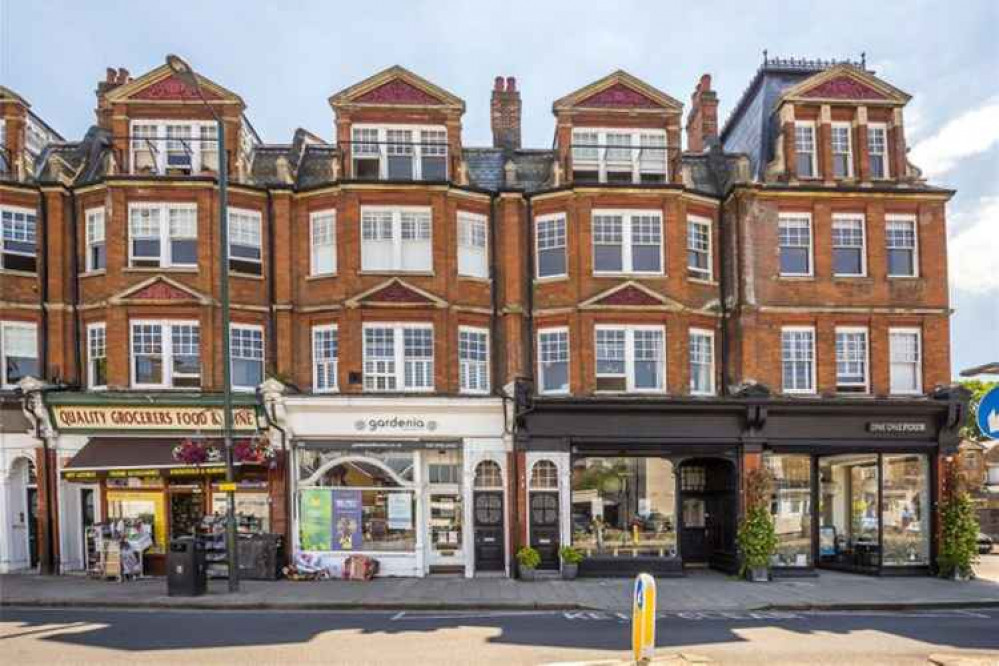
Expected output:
{"points": [[487, 517], [707, 513], [543, 513]]}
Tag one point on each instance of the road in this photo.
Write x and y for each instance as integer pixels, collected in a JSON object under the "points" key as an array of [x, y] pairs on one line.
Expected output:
{"points": [[93, 636]]}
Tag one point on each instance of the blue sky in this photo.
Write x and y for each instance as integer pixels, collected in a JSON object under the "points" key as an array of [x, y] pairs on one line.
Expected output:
{"points": [[286, 57]]}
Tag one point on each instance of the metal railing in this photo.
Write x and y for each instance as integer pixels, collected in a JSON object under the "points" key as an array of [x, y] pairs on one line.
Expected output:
{"points": [[160, 154], [394, 160]]}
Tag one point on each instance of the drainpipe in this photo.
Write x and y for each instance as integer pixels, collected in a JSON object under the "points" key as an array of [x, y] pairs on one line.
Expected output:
{"points": [[75, 268], [43, 275], [271, 290], [723, 278]]}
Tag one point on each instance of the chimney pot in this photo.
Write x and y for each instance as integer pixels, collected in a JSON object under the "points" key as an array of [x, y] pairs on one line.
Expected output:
{"points": [[498, 84], [110, 75], [123, 75], [511, 84]]}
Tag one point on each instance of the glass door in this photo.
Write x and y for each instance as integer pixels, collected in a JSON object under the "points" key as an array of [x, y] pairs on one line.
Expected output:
{"points": [[849, 512], [445, 531]]}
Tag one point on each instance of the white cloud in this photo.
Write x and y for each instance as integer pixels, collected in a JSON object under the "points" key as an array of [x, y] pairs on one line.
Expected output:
{"points": [[974, 251], [973, 132]]}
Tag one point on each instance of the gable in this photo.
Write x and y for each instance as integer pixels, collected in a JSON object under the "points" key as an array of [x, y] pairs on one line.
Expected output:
{"points": [[159, 289], [395, 293], [619, 96], [846, 83], [396, 86], [619, 91], [173, 88], [398, 92], [162, 85], [630, 294]]}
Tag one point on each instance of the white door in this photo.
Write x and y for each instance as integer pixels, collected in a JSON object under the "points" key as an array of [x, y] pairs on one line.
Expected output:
{"points": [[445, 512]]}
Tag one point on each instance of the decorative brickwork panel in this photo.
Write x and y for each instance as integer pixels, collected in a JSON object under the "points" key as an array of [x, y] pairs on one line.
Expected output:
{"points": [[397, 92], [173, 88], [396, 293], [619, 96], [843, 87], [629, 296], [161, 291]]}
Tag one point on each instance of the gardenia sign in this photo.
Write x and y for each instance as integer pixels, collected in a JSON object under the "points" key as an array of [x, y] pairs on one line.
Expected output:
{"points": [[396, 424]]}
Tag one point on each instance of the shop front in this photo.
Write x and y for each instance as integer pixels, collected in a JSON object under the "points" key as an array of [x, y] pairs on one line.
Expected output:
{"points": [[656, 485], [419, 484]]}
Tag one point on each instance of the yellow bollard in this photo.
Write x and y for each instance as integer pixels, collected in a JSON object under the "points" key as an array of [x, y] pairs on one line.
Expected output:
{"points": [[643, 619]]}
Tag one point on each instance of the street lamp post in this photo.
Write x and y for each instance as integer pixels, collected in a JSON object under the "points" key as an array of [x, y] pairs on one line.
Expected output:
{"points": [[183, 71]]}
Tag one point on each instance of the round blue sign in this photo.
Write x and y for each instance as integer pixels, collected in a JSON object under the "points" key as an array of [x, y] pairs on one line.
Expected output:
{"points": [[988, 414]]}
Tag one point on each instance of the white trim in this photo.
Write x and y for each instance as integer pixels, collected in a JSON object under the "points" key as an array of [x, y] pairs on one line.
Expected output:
{"points": [[164, 207], [629, 356], [914, 221], [160, 141], [479, 330], [465, 217], [90, 215], [263, 354], [781, 217], [866, 384], [383, 148], [257, 217], [887, 152], [399, 355], [26, 213], [851, 217], [397, 240], [814, 362], [313, 216], [815, 150], [848, 126], [90, 367], [166, 353], [906, 330], [710, 334], [706, 222], [568, 360], [565, 247], [627, 216], [335, 388], [600, 164], [4, 327]]}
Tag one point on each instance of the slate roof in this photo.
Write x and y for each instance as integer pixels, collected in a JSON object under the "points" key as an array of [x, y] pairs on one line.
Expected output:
{"points": [[485, 167]]}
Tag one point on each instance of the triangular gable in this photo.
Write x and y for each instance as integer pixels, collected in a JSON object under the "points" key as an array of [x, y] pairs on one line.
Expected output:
{"points": [[619, 91], [630, 294], [395, 293], [396, 86], [845, 83], [162, 85], [159, 289]]}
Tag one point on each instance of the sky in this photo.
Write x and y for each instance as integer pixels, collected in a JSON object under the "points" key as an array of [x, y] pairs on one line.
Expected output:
{"points": [[286, 57]]}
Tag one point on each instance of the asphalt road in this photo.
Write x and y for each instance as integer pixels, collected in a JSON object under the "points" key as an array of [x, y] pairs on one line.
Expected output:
{"points": [[50, 636]]}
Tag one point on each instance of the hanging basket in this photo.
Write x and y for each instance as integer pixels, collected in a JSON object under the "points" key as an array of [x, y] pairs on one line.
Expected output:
{"points": [[196, 452]]}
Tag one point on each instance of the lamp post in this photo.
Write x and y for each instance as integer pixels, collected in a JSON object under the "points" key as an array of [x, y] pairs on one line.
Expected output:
{"points": [[185, 73]]}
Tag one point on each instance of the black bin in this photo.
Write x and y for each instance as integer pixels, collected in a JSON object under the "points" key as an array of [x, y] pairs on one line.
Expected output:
{"points": [[186, 570]]}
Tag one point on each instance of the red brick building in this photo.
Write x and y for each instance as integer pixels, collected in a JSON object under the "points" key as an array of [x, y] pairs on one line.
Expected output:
{"points": [[489, 347]]}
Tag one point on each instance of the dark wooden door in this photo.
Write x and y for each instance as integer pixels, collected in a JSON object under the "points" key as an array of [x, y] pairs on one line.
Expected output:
{"points": [[33, 527], [544, 528], [694, 529], [487, 517]]}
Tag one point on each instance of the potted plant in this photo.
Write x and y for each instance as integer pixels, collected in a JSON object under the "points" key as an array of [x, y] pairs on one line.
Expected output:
{"points": [[757, 536], [528, 560], [958, 528], [571, 557]]}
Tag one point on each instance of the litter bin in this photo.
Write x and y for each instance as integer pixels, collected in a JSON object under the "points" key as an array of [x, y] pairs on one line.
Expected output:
{"points": [[186, 570]]}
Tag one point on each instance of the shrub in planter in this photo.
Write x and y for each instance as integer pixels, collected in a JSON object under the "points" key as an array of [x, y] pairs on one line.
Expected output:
{"points": [[528, 560], [757, 536], [958, 528], [571, 557]]}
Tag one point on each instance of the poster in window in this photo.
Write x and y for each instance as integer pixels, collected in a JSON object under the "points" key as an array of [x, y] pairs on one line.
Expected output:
{"points": [[316, 510], [346, 519], [400, 511]]}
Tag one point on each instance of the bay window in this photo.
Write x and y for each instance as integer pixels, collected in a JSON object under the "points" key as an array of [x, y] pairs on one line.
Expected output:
{"points": [[96, 242], [97, 356], [630, 358], [18, 352], [798, 359], [19, 239], [325, 355], [627, 242], [849, 246], [163, 235], [699, 248], [804, 150], [166, 354], [842, 151], [550, 242], [702, 361], [399, 152], [851, 360], [245, 254], [473, 259], [398, 357], [877, 150], [473, 359], [322, 242], [396, 239], [901, 241], [794, 237], [553, 360], [246, 346], [905, 352], [619, 155]]}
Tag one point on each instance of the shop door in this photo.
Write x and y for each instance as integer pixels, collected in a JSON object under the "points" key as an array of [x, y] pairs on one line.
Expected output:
{"points": [[446, 553], [707, 513], [32, 527], [544, 527], [487, 512], [87, 515]]}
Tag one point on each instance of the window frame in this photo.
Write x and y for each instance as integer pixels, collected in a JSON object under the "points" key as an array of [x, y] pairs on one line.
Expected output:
{"points": [[90, 215], [161, 141], [335, 386], [471, 220], [93, 327], [795, 216], [551, 217], [628, 218], [554, 330], [165, 238], [848, 126], [257, 328], [5, 326], [913, 220], [475, 330], [166, 341], [918, 333], [397, 240], [26, 213], [850, 217], [629, 357], [258, 217], [866, 384], [382, 147], [710, 335], [330, 247], [809, 124], [399, 355], [708, 275], [812, 389], [636, 146], [883, 128]]}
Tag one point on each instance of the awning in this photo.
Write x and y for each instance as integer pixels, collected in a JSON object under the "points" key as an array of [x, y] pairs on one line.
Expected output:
{"points": [[114, 457]]}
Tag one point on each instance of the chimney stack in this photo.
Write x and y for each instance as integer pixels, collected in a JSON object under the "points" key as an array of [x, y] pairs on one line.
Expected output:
{"points": [[112, 79], [505, 114], [702, 121]]}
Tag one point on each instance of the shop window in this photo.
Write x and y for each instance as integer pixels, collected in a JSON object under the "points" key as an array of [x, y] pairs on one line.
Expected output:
{"points": [[627, 242], [247, 350], [163, 235], [877, 150], [96, 259], [630, 358], [550, 239], [252, 510], [804, 150], [139, 515], [624, 507], [544, 476], [473, 256], [488, 475], [842, 151], [849, 511], [166, 354], [851, 360], [702, 362], [901, 241], [97, 356], [798, 359], [849, 254], [396, 239], [18, 240], [791, 508], [698, 248], [794, 236], [245, 254], [398, 357], [905, 351], [18, 352], [325, 354], [553, 360], [473, 359], [322, 226], [905, 510]]}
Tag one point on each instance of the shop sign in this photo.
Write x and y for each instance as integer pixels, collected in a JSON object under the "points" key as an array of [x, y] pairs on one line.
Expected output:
{"points": [[395, 424], [197, 470], [386, 446], [316, 519], [128, 473], [896, 427], [346, 519], [149, 417], [86, 475], [400, 511]]}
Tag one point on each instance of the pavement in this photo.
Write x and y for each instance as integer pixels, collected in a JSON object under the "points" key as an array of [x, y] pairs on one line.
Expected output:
{"points": [[698, 591]]}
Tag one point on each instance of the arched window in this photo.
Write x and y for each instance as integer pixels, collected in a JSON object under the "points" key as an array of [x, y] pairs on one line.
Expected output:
{"points": [[488, 475], [544, 476]]}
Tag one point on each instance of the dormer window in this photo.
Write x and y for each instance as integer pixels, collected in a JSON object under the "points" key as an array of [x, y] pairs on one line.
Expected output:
{"points": [[174, 147], [408, 152], [804, 150], [619, 156]]}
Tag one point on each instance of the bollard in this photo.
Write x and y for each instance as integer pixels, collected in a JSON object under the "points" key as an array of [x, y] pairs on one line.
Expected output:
{"points": [[643, 619]]}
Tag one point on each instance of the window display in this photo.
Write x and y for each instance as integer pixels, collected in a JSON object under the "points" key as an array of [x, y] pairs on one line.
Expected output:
{"points": [[139, 513], [905, 510], [445, 524], [252, 511], [791, 508], [624, 507], [849, 510]]}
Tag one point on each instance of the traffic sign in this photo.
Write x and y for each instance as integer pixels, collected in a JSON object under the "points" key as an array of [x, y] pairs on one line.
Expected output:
{"points": [[643, 619], [988, 414]]}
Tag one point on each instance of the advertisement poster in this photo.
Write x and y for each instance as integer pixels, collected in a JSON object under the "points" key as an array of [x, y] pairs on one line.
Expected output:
{"points": [[316, 519], [346, 520], [400, 511]]}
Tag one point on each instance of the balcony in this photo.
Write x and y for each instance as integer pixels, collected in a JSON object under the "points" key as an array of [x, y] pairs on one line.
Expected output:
{"points": [[395, 160], [620, 163]]}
